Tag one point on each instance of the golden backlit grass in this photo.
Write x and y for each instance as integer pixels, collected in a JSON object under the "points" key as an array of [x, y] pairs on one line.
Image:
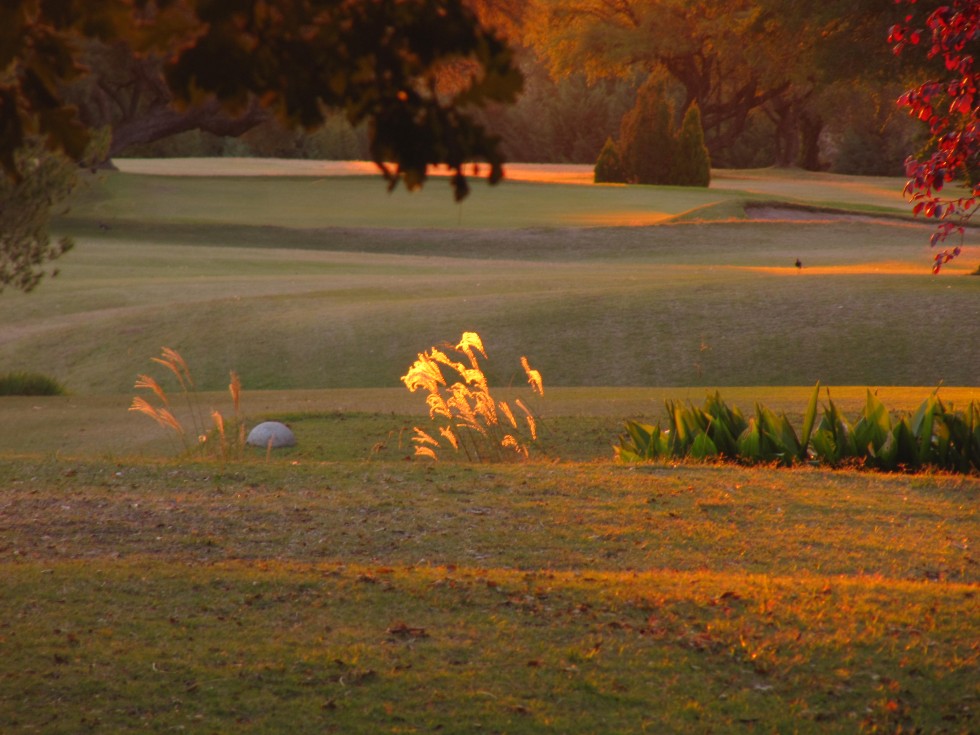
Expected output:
{"points": [[400, 597], [468, 417]]}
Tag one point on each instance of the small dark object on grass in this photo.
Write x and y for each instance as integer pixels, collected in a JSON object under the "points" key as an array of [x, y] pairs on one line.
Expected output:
{"points": [[29, 384], [799, 264]]}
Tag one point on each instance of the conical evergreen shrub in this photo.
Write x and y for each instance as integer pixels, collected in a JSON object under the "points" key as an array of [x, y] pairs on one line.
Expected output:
{"points": [[692, 164], [647, 142], [608, 167]]}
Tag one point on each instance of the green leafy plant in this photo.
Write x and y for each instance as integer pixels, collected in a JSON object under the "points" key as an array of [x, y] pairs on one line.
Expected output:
{"points": [[933, 436], [29, 384], [223, 438], [467, 416]]}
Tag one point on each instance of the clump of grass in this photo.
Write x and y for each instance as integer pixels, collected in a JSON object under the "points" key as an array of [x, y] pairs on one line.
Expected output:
{"points": [[468, 418], [208, 437], [29, 384]]}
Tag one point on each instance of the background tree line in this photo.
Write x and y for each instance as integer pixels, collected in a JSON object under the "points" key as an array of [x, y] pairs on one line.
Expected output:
{"points": [[414, 83], [808, 83]]}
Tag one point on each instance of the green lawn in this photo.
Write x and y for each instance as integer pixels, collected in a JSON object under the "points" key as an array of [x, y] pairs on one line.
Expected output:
{"points": [[341, 587], [392, 596], [308, 283]]}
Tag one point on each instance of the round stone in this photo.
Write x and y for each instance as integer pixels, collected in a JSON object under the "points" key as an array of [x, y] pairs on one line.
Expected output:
{"points": [[271, 433]]}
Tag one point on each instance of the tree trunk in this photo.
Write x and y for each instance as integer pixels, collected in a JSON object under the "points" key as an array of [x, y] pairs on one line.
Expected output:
{"points": [[163, 122], [810, 128]]}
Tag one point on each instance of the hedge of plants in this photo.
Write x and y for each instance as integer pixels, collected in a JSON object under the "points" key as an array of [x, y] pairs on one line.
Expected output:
{"points": [[933, 436]]}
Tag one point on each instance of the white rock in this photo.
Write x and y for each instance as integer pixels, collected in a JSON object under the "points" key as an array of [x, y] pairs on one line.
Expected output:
{"points": [[278, 434]]}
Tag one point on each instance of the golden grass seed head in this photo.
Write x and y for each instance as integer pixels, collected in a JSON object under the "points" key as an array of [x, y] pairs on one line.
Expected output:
{"points": [[450, 436], [533, 377], [235, 388], [423, 438], [148, 383], [423, 451], [508, 414]]}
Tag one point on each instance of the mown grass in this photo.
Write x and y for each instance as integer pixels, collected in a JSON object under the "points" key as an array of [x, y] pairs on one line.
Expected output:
{"points": [[391, 597], [301, 319], [579, 424], [288, 282], [339, 587]]}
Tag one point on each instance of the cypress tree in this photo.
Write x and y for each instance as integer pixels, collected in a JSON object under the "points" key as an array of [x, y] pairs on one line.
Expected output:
{"points": [[693, 163], [647, 142], [608, 167]]}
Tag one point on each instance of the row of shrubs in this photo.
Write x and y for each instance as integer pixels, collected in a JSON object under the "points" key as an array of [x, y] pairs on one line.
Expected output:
{"points": [[934, 436], [651, 148]]}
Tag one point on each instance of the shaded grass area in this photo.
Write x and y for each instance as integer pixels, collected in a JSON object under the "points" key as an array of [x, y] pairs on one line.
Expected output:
{"points": [[392, 597], [363, 201]]}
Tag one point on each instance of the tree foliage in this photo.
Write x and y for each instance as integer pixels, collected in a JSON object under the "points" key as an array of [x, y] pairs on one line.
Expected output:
{"points": [[41, 178], [651, 149], [647, 141], [378, 61], [733, 57], [949, 103]]}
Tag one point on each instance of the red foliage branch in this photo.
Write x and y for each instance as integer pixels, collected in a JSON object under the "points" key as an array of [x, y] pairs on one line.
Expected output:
{"points": [[950, 106]]}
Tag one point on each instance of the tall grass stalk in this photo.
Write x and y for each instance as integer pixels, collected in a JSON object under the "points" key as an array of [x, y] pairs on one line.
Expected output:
{"points": [[467, 416], [208, 437]]}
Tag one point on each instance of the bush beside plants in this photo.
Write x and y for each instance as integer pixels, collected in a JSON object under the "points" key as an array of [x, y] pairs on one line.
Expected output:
{"points": [[29, 384], [467, 416], [934, 436]]}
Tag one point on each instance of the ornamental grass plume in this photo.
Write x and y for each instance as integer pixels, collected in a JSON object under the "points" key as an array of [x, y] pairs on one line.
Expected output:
{"points": [[207, 438], [467, 416]]}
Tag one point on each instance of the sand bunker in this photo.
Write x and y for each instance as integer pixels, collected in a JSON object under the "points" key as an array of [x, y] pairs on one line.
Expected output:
{"points": [[771, 213]]}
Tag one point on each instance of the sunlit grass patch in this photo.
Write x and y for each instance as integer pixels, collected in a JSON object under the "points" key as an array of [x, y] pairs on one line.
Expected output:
{"points": [[380, 596], [453, 648]]}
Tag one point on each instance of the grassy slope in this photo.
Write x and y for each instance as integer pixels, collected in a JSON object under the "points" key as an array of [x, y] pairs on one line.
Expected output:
{"points": [[308, 282], [341, 589]]}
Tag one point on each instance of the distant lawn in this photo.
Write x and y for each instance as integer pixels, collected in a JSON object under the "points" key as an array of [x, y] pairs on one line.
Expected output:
{"points": [[330, 282]]}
